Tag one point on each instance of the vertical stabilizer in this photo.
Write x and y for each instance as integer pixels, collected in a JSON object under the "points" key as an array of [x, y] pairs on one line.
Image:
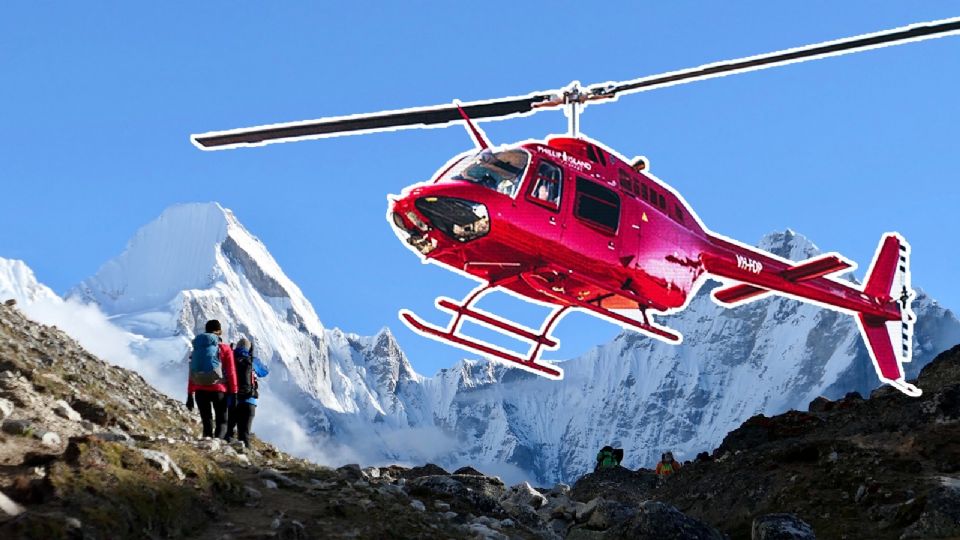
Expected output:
{"points": [[889, 342]]}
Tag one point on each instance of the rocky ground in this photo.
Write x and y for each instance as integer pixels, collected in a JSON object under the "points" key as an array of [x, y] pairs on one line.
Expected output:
{"points": [[887, 467], [88, 450]]}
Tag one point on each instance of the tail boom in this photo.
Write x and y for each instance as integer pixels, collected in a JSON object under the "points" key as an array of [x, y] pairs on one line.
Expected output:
{"points": [[882, 304]]}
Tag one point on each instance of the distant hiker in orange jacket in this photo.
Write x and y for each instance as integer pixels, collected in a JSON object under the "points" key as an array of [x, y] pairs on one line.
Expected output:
{"points": [[667, 466], [212, 379]]}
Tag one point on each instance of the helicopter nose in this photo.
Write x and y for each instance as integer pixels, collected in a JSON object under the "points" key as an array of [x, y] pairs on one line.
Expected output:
{"points": [[420, 220], [411, 226]]}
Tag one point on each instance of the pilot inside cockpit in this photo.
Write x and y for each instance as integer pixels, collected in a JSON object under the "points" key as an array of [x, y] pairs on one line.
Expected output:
{"points": [[547, 187]]}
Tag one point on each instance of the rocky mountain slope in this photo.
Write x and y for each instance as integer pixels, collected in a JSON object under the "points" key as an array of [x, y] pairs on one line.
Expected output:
{"points": [[90, 450], [887, 467], [361, 397]]}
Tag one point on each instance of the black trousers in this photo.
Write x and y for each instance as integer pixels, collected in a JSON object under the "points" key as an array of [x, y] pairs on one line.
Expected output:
{"points": [[241, 418], [218, 402]]}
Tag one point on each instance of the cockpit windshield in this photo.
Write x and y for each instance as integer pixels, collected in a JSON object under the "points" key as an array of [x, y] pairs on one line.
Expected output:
{"points": [[501, 171]]}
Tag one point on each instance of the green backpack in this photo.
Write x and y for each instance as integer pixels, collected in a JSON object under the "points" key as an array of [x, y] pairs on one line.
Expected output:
{"points": [[606, 459]]}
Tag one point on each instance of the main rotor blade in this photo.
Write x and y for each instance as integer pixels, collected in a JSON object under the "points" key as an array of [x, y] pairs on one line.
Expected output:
{"points": [[895, 36], [365, 123]]}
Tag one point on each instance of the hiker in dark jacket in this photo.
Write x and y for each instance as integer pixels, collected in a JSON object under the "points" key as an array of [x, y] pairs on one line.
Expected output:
{"points": [[249, 368], [212, 379]]}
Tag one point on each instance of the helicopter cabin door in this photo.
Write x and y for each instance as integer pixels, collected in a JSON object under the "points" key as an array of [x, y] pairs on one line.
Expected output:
{"points": [[541, 199], [593, 221]]}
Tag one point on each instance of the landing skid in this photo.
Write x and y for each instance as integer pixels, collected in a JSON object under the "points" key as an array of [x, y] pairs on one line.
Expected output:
{"points": [[461, 311], [538, 339]]}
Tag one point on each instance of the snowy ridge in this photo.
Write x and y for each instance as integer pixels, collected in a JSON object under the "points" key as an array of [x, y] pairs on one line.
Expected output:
{"points": [[18, 282]]}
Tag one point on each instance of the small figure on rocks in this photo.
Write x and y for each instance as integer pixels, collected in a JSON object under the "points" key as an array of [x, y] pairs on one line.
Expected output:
{"points": [[212, 379], [249, 368], [608, 457], [667, 466]]}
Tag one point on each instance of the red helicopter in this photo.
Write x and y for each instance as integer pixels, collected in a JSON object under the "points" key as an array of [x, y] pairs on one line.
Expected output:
{"points": [[570, 224]]}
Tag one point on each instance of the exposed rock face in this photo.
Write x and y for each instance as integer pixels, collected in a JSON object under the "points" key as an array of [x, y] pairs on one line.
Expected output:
{"points": [[781, 527], [884, 467], [659, 520]]}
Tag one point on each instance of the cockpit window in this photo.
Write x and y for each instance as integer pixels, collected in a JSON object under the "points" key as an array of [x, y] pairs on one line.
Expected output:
{"points": [[501, 171]]}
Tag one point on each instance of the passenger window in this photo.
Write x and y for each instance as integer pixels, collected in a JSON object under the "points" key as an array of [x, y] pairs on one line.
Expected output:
{"points": [[546, 185], [597, 205], [626, 183], [663, 202], [643, 189], [678, 212]]}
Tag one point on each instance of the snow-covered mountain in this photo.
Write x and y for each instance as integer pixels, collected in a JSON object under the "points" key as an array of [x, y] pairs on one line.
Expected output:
{"points": [[358, 398], [197, 262], [17, 282]]}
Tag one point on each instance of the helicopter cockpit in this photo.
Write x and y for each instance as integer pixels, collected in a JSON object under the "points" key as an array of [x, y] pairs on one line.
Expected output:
{"points": [[501, 171]]}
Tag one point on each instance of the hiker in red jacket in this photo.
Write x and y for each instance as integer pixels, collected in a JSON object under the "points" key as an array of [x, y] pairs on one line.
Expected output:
{"points": [[212, 379]]}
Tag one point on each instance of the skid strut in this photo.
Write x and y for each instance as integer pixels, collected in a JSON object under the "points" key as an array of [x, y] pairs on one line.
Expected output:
{"points": [[463, 310], [645, 325]]}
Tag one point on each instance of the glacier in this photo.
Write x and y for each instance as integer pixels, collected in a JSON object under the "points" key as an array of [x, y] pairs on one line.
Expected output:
{"points": [[340, 397]]}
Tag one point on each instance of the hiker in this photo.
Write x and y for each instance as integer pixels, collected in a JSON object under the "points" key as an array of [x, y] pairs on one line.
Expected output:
{"points": [[212, 380], [608, 458], [249, 369], [667, 466]]}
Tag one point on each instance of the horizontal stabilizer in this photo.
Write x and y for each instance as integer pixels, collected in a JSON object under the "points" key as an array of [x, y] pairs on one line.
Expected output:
{"points": [[815, 268], [738, 293]]}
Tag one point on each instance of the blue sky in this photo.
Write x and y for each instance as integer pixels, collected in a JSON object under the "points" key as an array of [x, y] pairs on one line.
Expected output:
{"points": [[97, 103]]}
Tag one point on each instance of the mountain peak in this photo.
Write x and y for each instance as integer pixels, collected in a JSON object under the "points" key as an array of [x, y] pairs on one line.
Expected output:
{"points": [[789, 244], [18, 282]]}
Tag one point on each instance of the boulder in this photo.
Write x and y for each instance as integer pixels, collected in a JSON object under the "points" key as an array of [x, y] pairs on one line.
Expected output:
{"points": [[781, 527], [63, 409], [50, 439], [468, 470], [608, 514], [163, 462], [9, 507], [17, 427], [617, 483], [941, 514], [820, 405], [351, 471], [426, 470], [522, 494], [656, 520], [6, 408], [479, 491], [276, 476]]}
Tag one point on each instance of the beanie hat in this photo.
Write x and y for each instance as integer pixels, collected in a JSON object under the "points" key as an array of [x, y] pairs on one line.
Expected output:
{"points": [[213, 325]]}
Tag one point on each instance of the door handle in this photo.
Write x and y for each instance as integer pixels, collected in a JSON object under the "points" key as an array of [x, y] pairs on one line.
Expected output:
{"points": [[553, 220], [610, 245]]}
